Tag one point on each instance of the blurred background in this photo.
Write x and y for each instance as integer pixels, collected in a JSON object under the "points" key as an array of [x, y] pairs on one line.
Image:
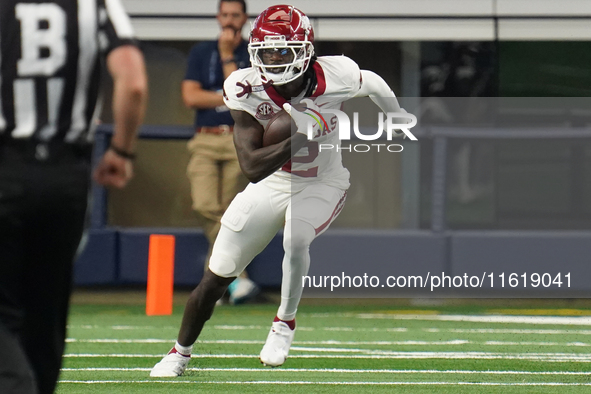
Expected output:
{"points": [[507, 191]]}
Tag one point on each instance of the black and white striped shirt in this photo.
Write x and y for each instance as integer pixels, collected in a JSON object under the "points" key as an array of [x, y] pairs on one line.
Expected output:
{"points": [[50, 61]]}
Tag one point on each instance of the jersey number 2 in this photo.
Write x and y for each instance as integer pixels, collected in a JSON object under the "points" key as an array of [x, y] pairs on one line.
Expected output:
{"points": [[313, 152]]}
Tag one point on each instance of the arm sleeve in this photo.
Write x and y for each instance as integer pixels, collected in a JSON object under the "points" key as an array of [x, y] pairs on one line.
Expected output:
{"points": [[115, 27], [379, 92]]}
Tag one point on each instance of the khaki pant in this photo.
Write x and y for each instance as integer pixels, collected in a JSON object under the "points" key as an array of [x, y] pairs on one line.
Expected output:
{"points": [[215, 177]]}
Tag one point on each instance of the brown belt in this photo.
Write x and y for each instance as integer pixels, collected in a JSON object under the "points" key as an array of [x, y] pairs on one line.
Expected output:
{"points": [[222, 129]]}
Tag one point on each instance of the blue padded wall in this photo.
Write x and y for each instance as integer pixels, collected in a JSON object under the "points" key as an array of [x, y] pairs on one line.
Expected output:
{"points": [[375, 253], [97, 264], [476, 252], [120, 256], [190, 252]]}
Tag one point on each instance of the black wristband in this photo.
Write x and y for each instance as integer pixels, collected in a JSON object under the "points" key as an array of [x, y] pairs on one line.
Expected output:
{"points": [[228, 61], [122, 153]]}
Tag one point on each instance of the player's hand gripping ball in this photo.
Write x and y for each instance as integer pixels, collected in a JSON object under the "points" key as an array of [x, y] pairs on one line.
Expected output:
{"points": [[292, 119]]}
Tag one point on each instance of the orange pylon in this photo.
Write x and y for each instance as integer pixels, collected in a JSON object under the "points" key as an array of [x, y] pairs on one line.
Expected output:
{"points": [[160, 275]]}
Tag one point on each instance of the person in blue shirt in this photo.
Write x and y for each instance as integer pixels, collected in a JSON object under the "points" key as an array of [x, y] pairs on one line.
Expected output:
{"points": [[213, 170]]}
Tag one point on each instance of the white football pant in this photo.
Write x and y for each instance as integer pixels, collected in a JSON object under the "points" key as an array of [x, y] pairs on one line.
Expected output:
{"points": [[256, 215]]}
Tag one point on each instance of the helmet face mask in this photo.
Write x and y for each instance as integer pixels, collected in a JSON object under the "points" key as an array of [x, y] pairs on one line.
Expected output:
{"points": [[281, 62], [281, 44]]}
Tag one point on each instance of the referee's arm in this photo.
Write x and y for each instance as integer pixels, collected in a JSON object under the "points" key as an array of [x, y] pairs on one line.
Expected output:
{"points": [[130, 92]]}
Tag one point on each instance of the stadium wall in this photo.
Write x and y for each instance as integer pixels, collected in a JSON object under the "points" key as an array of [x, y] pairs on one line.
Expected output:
{"points": [[115, 255], [392, 20]]}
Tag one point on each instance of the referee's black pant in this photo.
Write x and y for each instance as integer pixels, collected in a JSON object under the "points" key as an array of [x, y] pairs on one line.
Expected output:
{"points": [[42, 211]]}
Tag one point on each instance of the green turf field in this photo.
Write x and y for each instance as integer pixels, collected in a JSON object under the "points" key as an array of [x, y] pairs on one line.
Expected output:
{"points": [[345, 349]]}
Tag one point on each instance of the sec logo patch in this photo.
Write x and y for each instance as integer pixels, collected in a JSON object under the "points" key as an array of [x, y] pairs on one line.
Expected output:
{"points": [[265, 111]]}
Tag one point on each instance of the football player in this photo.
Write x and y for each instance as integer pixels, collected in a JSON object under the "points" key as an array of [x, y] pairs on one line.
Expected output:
{"points": [[294, 186]]}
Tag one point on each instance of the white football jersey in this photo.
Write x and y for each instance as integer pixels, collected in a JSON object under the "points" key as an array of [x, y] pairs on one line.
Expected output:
{"points": [[337, 79]]}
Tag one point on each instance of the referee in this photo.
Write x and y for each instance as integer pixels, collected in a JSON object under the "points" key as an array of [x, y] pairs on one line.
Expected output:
{"points": [[50, 59]]}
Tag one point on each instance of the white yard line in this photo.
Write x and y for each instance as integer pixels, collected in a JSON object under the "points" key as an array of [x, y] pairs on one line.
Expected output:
{"points": [[532, 343], [333, 342], [541, 357], [234, 327], [264, 382], [561, 320], [359, 329], [508, 331], [343, 371]]}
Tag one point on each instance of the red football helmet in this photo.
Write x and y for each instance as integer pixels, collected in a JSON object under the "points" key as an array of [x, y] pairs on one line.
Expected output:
{"points": [[281, 44]]}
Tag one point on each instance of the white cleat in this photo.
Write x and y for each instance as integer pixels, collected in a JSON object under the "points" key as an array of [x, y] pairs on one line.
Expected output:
{"points": [[276, 348], [171, 366]]}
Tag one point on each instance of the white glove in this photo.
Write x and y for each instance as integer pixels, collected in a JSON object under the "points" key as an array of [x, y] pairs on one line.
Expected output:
{"points": [[307, 121]]}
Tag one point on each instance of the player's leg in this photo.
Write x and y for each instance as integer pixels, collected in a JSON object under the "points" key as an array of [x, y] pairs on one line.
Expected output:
{"points": [[216, 178], [249, 224], [198, 310], [309, 214], [233, 182], [297, 237]]}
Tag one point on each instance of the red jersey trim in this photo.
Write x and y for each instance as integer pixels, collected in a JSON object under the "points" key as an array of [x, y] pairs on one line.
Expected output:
{"points": [[321, 80], [276, 97]]}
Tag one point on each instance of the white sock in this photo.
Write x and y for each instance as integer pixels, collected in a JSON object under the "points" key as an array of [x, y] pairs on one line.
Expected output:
{"points": [[184, 350]]}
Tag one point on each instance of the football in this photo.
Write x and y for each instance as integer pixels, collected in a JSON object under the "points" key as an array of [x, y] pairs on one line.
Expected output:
{"points": [[279, 128]]}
